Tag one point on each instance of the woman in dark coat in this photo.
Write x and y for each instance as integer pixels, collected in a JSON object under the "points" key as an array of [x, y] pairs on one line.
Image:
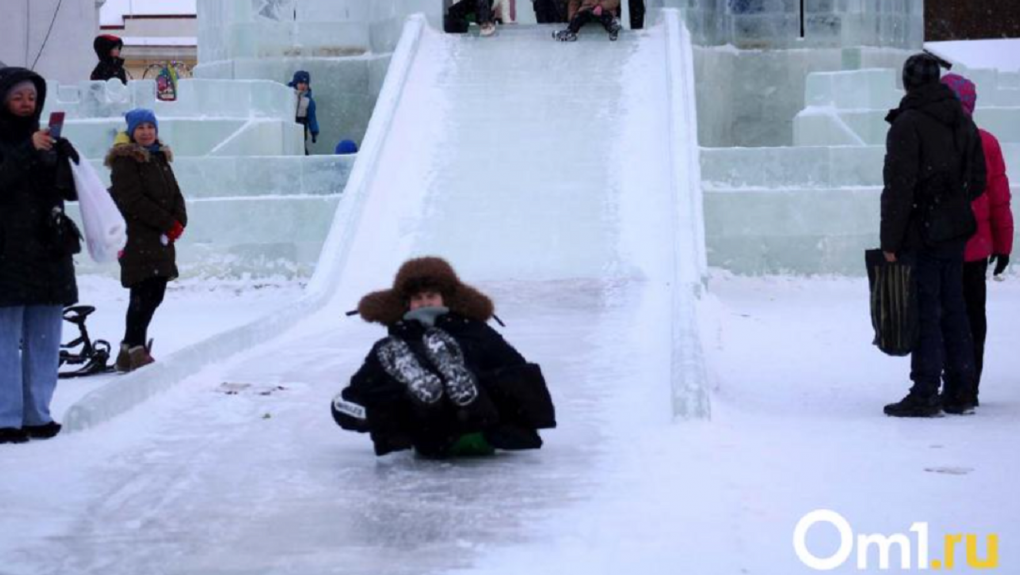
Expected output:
{"points": [[147, 194], [37, 243], [443, 381]]}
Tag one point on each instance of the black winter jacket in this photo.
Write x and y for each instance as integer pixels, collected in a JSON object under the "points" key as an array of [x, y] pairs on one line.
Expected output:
{"points": [[33, 271], [934, 167], [515, 388], [108, 66]]}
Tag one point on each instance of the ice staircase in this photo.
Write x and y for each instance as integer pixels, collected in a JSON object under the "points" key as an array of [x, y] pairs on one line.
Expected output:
{"points": [[524, 162]]}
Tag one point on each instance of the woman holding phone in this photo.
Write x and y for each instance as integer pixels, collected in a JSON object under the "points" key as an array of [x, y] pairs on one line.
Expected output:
{"points": [[37, 242]]}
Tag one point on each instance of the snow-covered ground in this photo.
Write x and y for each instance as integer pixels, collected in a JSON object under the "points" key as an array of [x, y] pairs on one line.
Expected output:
{"points": [[192, 311], [197, 481], [1003, 55]]}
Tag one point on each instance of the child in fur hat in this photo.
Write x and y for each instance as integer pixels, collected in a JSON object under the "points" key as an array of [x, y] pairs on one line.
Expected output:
{"points": [[442, 382]]}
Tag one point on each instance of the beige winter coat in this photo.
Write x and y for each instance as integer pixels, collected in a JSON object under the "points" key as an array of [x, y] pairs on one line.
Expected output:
{"points": [[575, 6]]}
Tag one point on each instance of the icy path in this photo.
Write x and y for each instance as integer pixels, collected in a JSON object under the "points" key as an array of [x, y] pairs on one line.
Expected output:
{"points": [[193, 311], [202, 482]]}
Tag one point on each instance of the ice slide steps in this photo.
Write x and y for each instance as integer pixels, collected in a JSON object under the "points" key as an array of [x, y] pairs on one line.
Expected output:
{"points": [[521, 160]]}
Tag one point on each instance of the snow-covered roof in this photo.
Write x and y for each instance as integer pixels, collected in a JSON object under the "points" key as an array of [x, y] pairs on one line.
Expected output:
{"points": [[1002, 55], [113, 11], [160, 40]]}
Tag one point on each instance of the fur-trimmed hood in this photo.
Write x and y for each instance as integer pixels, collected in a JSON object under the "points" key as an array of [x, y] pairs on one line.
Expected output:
{"points": [[136, 152], [387, 307]]}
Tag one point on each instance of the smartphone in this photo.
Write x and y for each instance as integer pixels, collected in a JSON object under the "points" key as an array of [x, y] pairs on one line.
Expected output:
{"points": [[56, 124]]}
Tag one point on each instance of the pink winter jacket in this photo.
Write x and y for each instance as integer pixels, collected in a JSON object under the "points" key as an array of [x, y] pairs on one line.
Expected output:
{"points": [[994, 217]]}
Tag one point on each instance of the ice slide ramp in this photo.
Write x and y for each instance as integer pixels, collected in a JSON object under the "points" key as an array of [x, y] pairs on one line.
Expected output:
{"points": [[519, 160]]}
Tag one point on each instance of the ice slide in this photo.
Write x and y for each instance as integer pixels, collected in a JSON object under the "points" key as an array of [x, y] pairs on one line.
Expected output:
{"points": [[562, 179]]}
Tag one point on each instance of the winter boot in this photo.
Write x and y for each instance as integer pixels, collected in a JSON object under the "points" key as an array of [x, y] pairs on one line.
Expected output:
{"points": [[123, 363], [400, 363], [471, 445], [139, 357], [12, 435], [915, 405], [614, 28], [958, 399], [44, 431], [445, 354], [565, 36], [958, 404]]}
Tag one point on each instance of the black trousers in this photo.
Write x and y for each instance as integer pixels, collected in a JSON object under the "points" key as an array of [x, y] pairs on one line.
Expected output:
{"points": [[145, 298], [482, 9], [549, 11], [944, 347], [637, 14], [585, 16], [975, 293]]}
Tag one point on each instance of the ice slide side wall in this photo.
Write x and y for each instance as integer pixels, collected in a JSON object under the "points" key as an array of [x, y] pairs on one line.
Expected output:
{"points": [[127, 391], [687, 366]]}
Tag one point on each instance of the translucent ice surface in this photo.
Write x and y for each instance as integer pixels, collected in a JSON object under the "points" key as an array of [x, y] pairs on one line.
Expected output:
{"points": [[790, 23], [343, 44]]}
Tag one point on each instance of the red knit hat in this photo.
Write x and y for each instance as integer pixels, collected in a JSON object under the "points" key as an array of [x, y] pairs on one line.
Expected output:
{"points": [[964, 90]]}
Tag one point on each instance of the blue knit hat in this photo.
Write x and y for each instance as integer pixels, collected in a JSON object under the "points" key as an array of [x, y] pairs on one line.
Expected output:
{"points": [[140, 116], [300, 77], [346, 147]]}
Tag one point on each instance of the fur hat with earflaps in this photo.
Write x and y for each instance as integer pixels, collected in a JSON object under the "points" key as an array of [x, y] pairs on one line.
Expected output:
{"points": [[387, 307]]}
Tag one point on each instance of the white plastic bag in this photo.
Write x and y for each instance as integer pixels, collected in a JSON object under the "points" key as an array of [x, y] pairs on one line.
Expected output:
{"points": [[105, 230]]}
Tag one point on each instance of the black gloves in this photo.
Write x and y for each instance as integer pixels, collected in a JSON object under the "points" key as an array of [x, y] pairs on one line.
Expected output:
{"points": [[315, 138], [1000, 261], [66, 150]]}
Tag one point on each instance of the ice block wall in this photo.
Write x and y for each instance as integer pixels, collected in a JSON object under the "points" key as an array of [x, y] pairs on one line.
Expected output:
{"points": [[344, 44], [814, 207], [849, 107], [252, 217], [769, 24], [802, 210], [749, 98], [209, 117]]}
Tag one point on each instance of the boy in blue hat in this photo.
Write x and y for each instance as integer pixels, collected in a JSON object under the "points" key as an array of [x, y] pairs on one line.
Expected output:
{"points": [[346, 147], [305, 113]]}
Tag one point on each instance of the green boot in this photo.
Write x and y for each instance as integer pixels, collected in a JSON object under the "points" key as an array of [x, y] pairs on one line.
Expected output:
{"points": [[471, 445]]}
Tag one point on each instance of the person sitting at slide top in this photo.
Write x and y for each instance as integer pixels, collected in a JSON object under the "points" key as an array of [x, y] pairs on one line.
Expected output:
{"points": [[442, 382], [581, 12], [456, 19]]}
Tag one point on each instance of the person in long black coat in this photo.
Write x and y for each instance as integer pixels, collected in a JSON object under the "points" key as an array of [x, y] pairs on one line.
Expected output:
{"points": [[442, 382], [934, 168], [37, 242]]}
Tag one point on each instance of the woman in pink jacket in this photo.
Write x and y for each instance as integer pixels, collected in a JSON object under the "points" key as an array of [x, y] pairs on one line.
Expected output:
{"points": [[993, 241]]}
